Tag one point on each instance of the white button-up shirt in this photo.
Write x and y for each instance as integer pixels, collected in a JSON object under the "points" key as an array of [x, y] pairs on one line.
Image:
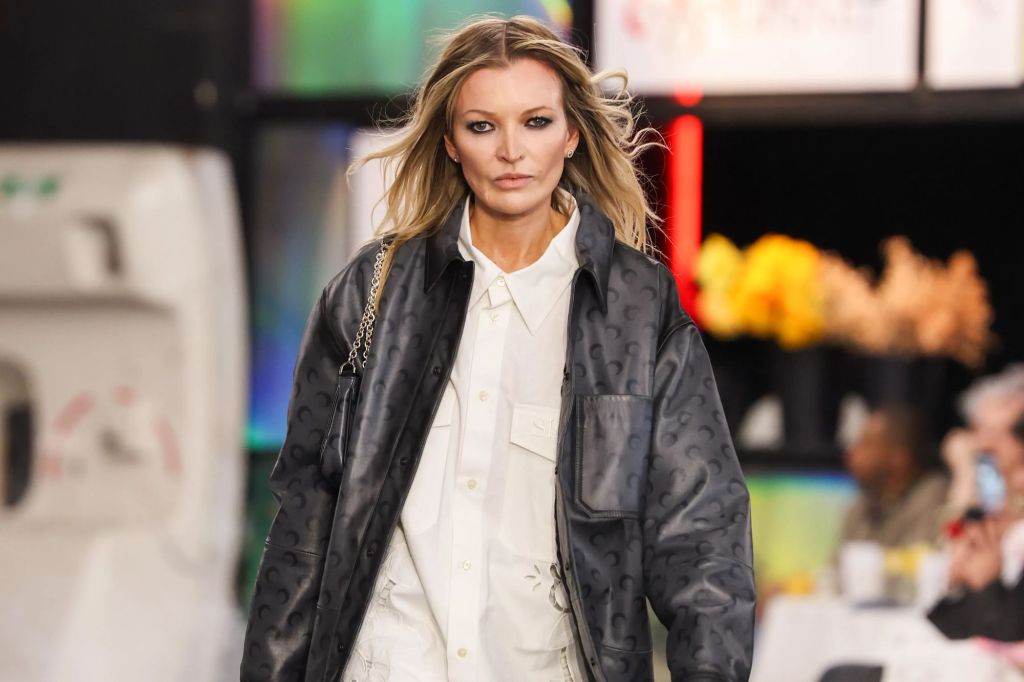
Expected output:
{"points": [[469, 588]]}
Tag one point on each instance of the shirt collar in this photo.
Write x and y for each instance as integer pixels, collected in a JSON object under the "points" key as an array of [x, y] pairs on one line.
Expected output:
{"points": [[594, 245], [535, 288]]}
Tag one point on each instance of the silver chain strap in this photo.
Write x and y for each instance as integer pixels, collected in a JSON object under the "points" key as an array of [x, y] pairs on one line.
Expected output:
{"points": [[366, 324]]}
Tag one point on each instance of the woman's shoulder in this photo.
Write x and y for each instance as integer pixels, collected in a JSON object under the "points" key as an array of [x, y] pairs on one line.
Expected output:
{"points": [[349, 287], [351, 284], [646, 277], [356, 273]]}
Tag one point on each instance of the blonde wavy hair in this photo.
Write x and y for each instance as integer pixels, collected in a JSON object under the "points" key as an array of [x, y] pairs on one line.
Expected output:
{"points": [[427, 184]]}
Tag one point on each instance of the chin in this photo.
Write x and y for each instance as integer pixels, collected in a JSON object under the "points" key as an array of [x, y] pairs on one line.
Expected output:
{"points": [[516, 202]]}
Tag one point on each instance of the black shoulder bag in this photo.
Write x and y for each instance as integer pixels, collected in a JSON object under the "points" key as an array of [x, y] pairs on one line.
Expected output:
{"points": [[334, 448]]}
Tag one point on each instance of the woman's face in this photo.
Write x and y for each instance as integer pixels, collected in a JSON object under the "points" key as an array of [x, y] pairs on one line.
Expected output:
{"points": [[511, 136], [993, 427]]}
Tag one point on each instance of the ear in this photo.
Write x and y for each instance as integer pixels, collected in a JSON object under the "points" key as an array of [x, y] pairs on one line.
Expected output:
{"points": [[449, 147], [573, 139]]}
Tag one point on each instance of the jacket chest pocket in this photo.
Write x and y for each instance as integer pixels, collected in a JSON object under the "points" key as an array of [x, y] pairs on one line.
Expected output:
{"points": [[613, 437]]}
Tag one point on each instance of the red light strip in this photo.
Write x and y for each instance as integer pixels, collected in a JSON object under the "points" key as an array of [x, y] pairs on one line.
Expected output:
{"points": [[683, 227]]}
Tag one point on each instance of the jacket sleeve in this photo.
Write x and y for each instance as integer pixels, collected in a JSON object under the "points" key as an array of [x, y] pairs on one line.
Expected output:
{"points": [[284, 601], [697, 556], [995, 612]]}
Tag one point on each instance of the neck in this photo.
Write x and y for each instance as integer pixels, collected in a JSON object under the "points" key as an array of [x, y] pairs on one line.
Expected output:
{"points": [[513, 242], [894, 486]]}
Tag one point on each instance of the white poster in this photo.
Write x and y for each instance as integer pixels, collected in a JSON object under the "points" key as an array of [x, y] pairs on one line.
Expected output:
{"points": [[759, 46], [974, 43]]}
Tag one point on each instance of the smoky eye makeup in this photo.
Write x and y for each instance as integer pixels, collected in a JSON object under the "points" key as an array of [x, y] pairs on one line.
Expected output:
{"points": [[481, 126]]}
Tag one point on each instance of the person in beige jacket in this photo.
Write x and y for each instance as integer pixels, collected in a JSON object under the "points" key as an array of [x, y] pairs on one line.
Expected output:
{"points": [[900, 502]]}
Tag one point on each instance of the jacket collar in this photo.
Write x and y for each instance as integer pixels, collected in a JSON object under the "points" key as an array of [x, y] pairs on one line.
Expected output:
{"points": [[595, 242]]}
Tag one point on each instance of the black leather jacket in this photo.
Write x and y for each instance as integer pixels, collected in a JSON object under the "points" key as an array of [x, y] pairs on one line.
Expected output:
{"points": [[650, 499]]}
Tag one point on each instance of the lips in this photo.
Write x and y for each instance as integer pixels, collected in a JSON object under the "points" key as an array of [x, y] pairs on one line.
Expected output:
{"points": [[512, 180]]}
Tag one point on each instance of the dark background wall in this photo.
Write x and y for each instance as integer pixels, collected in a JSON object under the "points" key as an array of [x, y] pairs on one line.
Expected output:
{"points": [[169, 70]]}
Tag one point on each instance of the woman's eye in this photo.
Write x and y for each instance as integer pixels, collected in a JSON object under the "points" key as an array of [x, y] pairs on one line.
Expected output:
{"points": [[484, 126]]}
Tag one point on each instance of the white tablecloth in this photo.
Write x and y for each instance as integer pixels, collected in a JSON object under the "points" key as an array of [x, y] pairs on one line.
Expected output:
{"points": [[801, 637]]}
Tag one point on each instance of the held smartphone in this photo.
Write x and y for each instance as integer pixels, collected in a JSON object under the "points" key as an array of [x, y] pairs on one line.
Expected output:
{"points": [[991, 487]]}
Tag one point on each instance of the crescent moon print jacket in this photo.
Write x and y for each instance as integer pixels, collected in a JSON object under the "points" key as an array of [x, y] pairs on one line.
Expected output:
{"points": [[650, 501]]}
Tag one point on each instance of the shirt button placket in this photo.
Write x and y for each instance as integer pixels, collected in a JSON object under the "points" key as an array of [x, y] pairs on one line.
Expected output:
{"points": [[467, 505]]}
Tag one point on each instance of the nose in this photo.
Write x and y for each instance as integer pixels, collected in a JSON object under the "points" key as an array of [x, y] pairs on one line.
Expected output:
{"points": [[509, 147]]}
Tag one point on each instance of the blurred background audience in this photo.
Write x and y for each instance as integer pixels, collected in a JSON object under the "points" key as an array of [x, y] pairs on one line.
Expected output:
{"points": [[900, 496]]}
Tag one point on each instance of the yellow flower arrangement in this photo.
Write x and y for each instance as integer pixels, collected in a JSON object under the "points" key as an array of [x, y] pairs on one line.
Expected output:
{"points": [[770, 291], [718, 268], [786, 289]]}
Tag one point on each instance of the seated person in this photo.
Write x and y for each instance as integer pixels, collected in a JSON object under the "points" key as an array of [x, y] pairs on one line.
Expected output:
{"points": [[979, 603], [900, 501], [991, 406], [986, 597]]}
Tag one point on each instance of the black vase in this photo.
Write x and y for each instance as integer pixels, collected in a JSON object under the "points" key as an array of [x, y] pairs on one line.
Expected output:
{"points": [[920, 382], [807, 382]]}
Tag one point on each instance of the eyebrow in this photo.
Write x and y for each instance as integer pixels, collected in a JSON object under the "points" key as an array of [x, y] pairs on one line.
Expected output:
{"points": [[491, 113]]}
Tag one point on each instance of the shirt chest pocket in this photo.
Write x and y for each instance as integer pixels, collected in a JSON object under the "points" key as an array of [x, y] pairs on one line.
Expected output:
{"points": [[613, 437], [527, 524], [423, 503]]}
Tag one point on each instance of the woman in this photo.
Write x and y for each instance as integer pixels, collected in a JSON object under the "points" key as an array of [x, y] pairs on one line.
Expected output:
{"points": [[986, 588], [538, 444]]}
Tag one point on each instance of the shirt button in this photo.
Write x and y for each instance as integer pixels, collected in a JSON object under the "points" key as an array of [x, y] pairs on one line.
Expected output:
{"points": [[471, 483], [483, 396], [462, 653], [494, 317], [466, 565], [500, 282]]}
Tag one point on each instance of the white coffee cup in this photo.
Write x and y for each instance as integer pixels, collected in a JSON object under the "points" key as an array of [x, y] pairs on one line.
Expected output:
{"points": [[862, 571], [932, 578]]}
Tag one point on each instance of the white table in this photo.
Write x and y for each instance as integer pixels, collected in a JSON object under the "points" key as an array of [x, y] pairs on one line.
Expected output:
{"points": [[801, 637]]}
